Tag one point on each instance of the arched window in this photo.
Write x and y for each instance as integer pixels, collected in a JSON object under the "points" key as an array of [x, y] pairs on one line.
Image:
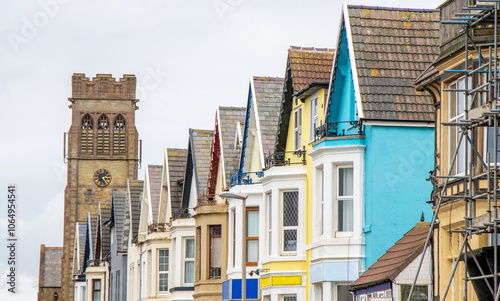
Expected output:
{"points": [[87, 135], [103, 135], [119, 135]]}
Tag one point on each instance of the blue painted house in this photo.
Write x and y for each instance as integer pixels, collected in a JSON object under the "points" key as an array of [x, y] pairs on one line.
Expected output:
{"points": [[374, 152]]}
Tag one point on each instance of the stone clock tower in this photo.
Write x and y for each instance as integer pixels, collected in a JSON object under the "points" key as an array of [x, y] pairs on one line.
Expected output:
{"points": [[102, 153]]}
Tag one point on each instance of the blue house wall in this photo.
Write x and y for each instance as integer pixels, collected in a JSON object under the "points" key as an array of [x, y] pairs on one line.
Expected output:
{"points": [[397, 162]]}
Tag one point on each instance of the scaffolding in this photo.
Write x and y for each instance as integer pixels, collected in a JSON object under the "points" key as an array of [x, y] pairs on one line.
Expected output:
{"points": [[481, 109]]}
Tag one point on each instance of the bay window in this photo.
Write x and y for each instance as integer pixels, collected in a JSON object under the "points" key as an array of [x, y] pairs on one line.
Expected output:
{"points": [[215, 251], [456, 114], [189, 260]]}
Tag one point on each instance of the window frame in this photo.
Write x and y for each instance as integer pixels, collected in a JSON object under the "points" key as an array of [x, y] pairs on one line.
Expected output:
{"points": [[188, 259], [251, 238], [94, 290], [297, 128], [160, 272], [269, 224], [454, 131], [285, 228], [211, 237], [314, 122], [339, 198]]}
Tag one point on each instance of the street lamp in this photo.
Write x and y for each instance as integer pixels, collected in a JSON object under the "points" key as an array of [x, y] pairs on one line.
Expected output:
{"points": [[243, 198]]}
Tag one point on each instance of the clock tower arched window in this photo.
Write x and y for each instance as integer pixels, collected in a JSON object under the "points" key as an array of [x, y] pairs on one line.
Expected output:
{"points": [[119, 135], [87, 135], [103, 135]]}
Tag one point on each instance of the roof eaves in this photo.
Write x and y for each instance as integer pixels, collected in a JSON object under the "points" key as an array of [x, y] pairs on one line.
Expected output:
{"points": [[352, 56], [257, 121]]}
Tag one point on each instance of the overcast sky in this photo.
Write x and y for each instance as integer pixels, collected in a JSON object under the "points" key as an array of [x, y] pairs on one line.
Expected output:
{"points": [[200, 54]]}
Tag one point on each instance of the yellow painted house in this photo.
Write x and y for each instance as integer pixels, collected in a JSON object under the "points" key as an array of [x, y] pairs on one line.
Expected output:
{"points": [[462, 81], [286, 188]]}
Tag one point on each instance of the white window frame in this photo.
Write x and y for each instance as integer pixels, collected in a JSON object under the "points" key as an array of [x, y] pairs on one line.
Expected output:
{"points": [[297, 128], [338, 198], [188, 259], [282, 297], [314, 122], [269, 223], [454, 131], [285, 228], [252, 238], [163, 272]]}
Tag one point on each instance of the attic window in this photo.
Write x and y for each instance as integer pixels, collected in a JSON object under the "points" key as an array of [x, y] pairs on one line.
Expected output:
{"points": [[238, 139]]}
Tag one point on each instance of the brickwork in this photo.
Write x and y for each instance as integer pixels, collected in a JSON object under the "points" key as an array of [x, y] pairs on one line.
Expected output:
{"points": [[101, 95]]}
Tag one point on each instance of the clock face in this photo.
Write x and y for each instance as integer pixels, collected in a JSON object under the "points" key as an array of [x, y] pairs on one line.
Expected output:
{"points": [[102, 177]]}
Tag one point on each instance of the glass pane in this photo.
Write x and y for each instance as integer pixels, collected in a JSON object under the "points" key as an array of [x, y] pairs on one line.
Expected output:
{"points": [[491, 144], [345, 215], [343, 293], [252, 223], [215, 230], [453, 101], [269, 223], [290, 208], [419, 293], [189, 272], [189, 248], [97, 296], [215, 252], [163, 282], [290, 298], [290, 240], [97, 285], [252, 250], [346, 181], [461, 97], [163, 260]]}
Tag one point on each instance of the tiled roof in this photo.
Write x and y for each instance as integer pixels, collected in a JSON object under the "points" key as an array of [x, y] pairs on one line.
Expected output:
{"points": [[269, 91], [229, 117], [154, 176], [395, 259], [176, 170], [94, 217], [119, 201], [309, 64], [305, 65], [132, 214], [105, 212], [392, 47], [51, 265]]}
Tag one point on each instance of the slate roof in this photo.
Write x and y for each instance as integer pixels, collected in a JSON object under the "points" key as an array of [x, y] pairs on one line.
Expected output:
{"points": [[105, 214], [396, 258], [392, 46], [305, 65], [51, 267], [268, 93], [155, 173], [136, 188], [119, 201], [176, 170], [201, 143], [229, 117], [82, 234], [92, 233]]}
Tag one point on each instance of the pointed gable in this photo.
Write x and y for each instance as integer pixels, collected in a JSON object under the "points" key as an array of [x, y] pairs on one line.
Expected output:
{"points": [[223, 147], [153, 186], [104, 235], [305, 65], [261, 119], [173, 178], [132, 211], [80, 245], [118, 215], [389, 48]]}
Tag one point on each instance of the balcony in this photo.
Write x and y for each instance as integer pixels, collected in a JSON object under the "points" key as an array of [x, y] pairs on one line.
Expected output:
{"points": [[246, 178], [157, 227], [339, 129], [280, 158], [180, 213]]}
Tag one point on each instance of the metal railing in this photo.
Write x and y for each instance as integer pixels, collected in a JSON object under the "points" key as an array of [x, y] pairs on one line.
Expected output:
{"points": [[337, 129], [180, 213], [246, 178], [157, 227], [279, 158]]}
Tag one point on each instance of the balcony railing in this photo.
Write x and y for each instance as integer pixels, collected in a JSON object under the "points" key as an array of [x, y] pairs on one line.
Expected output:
{"points": [[246, 178], [339, 129], [180, 213], [279, 158], [157, 227]]}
